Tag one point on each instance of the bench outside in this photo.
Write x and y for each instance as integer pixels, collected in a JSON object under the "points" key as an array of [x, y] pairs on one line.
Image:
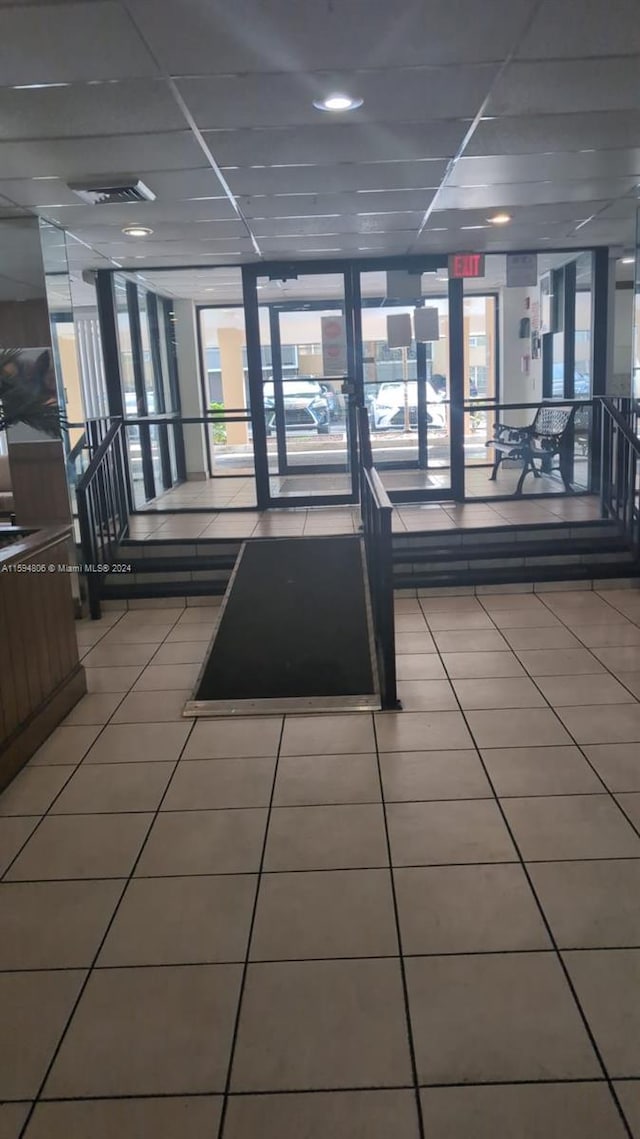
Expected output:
{"points": [[548, 437]]}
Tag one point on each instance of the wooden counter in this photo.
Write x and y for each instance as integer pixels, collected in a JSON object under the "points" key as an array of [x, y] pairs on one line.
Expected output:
{"points": [[41, 677]]}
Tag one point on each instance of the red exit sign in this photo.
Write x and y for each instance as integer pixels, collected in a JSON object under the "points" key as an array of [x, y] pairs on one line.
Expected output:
{"points": [[466, 265]]}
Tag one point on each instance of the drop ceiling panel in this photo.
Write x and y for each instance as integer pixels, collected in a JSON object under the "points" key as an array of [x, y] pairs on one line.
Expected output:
{"points": [[218, 231], [347, 223], [567, 86], [607, 231], [539, 214], [537, 167], [400, 95], [144, 213], [312, 205], [532, 194], [89, 109], [160, 249], [70, 42], [597, 27], [317, 178], [557, 133], [78, 158], [180, 185], [326, 145], [198, 37]]}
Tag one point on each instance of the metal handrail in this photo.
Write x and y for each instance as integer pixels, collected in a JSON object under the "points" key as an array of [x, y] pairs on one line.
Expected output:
{"points": [[103, 510], [620, 472], [376, 511]]}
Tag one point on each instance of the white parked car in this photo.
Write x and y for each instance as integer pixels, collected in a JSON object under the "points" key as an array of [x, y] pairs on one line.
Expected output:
{"points": [[387, 408]]}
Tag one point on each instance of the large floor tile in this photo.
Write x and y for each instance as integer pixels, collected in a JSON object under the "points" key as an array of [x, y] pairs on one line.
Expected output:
{"points": [[95, 708], [603, 724], [467, 909], [132, 743], [14, 832], [421, 731], [504, 692], [114, 787], [161, 677], [66, 745], [151, 707], [540, 771], [329, 734], [107, 655], [137, 633], [204, 784], [525, 1111], [570, 826], [459, 619], [604, 636], [326, 838], [341, 1115], [628, 1092], [414, 642], [563, 691], [413, 775], [146, 1031], [427, 695], [54, 925], [112, 679], [532, 618], [322, 1024], [419, 666], [304, 780], [35, 1008], [590, 904], [181, 652], [195, 1117], [337, 913], [470, 641], [509, 727], [423, 834], [241, 738], [617, 764], [462, 666], [548, 637], [630, 803], [174, 921], [559, 662], [82, 846], [12, 1119], [608, 986], [496, 1017], [620, 659], [204, 842], [33, 790]]}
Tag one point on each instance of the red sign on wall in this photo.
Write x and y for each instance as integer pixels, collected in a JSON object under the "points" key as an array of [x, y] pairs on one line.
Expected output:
{"points": [[466, 265]]}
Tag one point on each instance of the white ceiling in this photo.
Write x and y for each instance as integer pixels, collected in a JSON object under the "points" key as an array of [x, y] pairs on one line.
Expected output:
{"points": [[470, 106]]}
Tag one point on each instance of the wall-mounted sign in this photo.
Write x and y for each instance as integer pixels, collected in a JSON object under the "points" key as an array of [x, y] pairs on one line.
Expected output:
{"points": [[402, 285], [334, 345], [466, 265], [426, 324], [522, 270], [399, 334]]}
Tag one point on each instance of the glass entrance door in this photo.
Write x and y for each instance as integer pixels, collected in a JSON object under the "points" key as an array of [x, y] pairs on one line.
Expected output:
{"points": [[307, 403], [405, 362]]}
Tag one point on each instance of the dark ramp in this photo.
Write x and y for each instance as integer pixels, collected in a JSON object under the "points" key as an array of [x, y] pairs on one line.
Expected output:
{"points": [[294, 631]]}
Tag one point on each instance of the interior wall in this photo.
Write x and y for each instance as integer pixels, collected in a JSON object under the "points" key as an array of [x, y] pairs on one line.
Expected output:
{"points": [[620, 378], [189, 384]]}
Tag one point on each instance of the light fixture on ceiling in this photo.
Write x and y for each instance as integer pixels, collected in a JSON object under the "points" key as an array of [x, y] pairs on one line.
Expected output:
{"points": [[500, 219], [338, 103], [627, 260], [137, 230]]}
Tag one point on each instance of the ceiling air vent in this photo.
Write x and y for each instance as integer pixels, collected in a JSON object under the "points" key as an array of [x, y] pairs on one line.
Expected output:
{"points": [[105, 191]]}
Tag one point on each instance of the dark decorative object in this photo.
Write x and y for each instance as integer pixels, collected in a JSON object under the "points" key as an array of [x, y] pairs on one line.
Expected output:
{"points": [[28, 392]]}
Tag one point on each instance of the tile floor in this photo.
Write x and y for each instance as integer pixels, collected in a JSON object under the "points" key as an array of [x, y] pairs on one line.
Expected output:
{"points": [[407, 518], [415, 924]]}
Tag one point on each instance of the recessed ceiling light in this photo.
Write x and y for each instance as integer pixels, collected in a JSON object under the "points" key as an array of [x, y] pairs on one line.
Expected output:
{"points": [[500, 219], [627, 260], [137, 230], [337, 102]]}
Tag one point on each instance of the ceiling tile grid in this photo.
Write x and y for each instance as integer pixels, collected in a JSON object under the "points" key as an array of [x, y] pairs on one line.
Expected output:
{"points": [[468, 108]]}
